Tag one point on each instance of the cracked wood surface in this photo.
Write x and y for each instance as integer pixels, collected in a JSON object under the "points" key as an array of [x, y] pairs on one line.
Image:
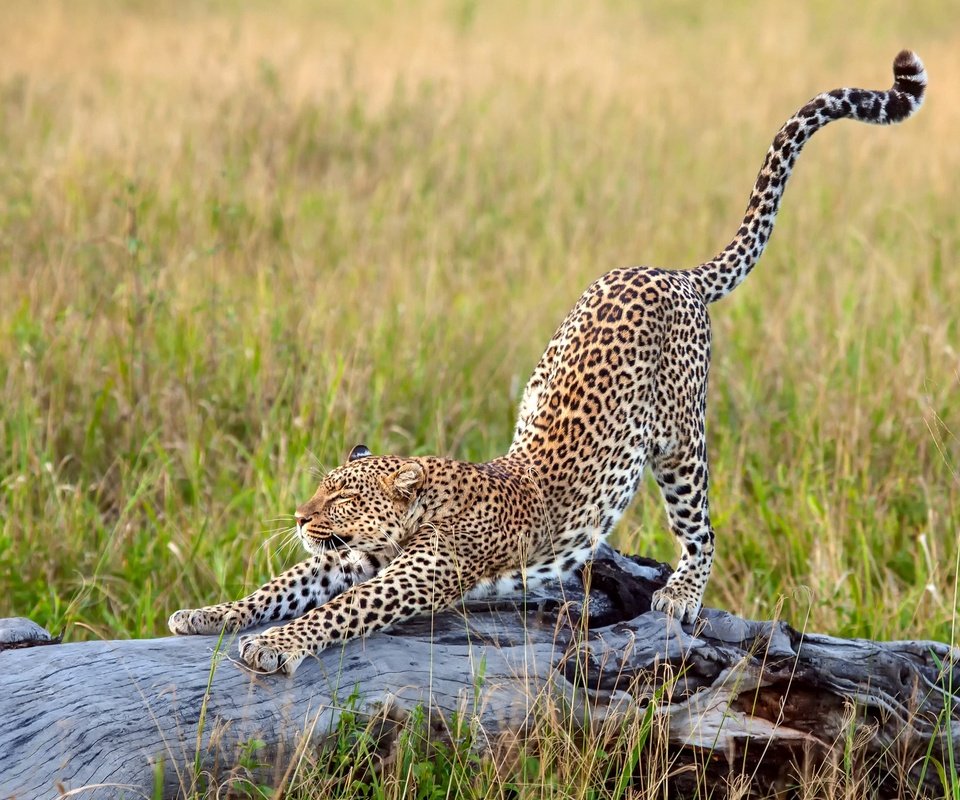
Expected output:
{"points": [[730, 693]]}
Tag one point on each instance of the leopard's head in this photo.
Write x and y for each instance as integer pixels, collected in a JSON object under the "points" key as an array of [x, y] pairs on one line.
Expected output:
{"points": [[366, 504]]}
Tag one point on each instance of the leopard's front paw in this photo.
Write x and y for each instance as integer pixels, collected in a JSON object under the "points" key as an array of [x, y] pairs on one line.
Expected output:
{"points": [[203, 621], [271, 652], [679, 602]]}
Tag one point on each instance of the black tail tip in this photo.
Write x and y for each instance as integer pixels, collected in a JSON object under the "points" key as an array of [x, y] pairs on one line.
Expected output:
{"points": [[908, 66], [909, 85]]}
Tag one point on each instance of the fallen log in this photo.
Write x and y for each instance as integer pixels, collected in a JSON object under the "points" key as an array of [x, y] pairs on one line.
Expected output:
{"points": [[731, 696]]}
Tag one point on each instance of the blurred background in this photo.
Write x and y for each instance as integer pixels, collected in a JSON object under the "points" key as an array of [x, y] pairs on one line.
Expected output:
{"points": [[237, 240]]}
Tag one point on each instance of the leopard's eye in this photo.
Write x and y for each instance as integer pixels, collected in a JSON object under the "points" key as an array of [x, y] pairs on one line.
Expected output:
{"points": [[345, 495]]}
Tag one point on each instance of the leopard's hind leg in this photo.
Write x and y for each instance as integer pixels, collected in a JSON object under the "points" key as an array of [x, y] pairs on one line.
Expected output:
{"points": [[683, 477]]}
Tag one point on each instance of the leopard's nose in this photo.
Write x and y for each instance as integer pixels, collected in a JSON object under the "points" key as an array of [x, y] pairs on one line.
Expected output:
{"points": [[302, 519]]}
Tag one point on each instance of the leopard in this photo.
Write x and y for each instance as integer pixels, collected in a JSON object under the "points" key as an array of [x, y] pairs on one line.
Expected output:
{"points": [[621, 386]]}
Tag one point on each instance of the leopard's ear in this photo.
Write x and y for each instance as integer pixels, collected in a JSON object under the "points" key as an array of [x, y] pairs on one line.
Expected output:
{"points": [[360, 451], [403, 483]]}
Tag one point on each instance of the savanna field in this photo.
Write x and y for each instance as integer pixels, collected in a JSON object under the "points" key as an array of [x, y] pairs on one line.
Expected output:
{"points": [[236, 241]]}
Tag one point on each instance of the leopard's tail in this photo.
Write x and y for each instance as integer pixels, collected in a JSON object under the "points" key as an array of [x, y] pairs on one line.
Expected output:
{"points": [[718, 277]]}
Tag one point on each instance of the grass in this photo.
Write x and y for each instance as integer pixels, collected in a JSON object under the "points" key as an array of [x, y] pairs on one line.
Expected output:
{"points": [[236, 242]]}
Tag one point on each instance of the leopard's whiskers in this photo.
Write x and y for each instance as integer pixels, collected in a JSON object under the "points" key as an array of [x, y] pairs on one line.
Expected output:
{"points": [[336, 552], [287, 532], [317, 468]]}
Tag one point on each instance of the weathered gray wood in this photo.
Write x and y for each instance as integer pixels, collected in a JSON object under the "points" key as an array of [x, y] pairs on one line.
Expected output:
{"points": [[22, 632], [109, 714]]}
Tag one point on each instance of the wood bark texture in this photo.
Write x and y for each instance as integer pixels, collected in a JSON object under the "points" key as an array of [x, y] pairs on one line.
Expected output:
{"points": [[733, 702]]}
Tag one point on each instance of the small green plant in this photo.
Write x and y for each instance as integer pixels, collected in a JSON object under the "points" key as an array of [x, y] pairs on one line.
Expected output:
{"points": [[251, 761]]}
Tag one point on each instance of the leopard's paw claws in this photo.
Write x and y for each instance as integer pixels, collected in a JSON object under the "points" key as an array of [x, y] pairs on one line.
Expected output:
{"points": [[264, 654], [676, 603], [203, 622]]}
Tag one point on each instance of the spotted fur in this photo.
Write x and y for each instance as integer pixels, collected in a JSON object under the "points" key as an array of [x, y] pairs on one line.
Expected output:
{"points": [[622, 386]]}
